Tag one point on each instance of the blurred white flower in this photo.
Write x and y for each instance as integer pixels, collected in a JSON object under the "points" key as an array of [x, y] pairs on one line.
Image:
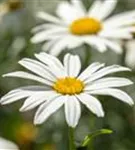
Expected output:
{"points": [[75, 26], [63, 84], [7, 145], [130, 54]]}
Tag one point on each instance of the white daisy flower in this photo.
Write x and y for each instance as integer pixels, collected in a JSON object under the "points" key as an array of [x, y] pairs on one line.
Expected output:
{"points": [[7, 145], [63, 84], [130, 54], [75, 26]]}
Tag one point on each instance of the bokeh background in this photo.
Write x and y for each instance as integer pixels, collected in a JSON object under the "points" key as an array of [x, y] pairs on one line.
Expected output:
{"points": [[17, 18]]}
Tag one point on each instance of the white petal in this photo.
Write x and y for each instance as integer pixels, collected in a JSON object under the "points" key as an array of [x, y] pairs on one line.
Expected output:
{"points": [[106, 9], [25, 75], [47, 109], [108, 82], [57, 48], [37, 98], [106, 71], [48, 44], [119, 94], [9, 98], [72, 111], [38, 68], [79, 6], [90, 70], [20, 93], [7, 145], [65, 41], [49, 17], [94, 9], [115, 46], [46, 26], [115, 34], [72, 65], [121, 19], [96, 42], [44, 35], [92, 104], [68, 12], [51, 61]]}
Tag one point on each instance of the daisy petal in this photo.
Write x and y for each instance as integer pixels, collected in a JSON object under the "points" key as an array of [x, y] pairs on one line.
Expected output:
{"points": [[58, 69], [106, 9], [79, 6], [121, 19], [45, 26], [72, 111], [90, 70], [21, 93], [48, 108], [115, 34], [66, 41], [57, 48], [115, 46], [72, 65], [67, 12], [10, 98], [25, 75], [92, 104], [107, 83], [49, 60], [43, 35], [48, 17], [37, 68], [96, 42], [107, 70], [119, 94], [37, 99], [94, 9]]}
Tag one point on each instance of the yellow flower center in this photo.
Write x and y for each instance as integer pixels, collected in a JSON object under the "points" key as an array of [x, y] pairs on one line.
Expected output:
{"points": [[68, 85], [85, 26]]}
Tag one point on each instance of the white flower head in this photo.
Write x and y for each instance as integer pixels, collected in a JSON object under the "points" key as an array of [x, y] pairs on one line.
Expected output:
{"points": [[74, 26], [7, 145], [63, 84]]}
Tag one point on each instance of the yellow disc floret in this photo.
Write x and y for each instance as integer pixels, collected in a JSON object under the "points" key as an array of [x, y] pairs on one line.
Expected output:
{"points": [[84, 26], [68, 85]]}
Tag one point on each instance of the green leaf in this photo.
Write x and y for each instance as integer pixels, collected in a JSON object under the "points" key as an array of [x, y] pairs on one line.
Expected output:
{"points": [[92, 135]]}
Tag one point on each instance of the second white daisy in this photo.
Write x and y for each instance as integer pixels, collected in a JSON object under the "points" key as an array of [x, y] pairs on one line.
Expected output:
{"points": [[75, 26], [63, 84]]}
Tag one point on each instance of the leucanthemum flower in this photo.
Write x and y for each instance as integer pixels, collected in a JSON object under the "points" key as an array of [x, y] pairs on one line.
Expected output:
{"points": [[74, 26], [63, 84], [7, 145]]}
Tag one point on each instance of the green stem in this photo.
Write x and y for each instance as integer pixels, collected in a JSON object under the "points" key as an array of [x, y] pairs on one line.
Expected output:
{"points": [[87, 55], [71, 139], [123, 55]]}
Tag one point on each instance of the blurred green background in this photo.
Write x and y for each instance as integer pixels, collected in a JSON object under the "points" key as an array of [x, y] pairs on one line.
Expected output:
{"points": [[16, 22]]}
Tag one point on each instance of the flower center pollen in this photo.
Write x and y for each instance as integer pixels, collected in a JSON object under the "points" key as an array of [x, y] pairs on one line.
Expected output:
{"points": [[68, 85], [84, 26]]}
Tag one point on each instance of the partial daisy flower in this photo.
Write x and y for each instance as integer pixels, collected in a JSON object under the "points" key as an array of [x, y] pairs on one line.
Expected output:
{"points": [[75, 26], [130, 54], [63, 84], [7, 145]]}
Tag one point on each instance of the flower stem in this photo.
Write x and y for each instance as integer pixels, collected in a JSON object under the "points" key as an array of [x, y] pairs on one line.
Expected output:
{"points": [[71, 139], [87, 55], [123, 54]]}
